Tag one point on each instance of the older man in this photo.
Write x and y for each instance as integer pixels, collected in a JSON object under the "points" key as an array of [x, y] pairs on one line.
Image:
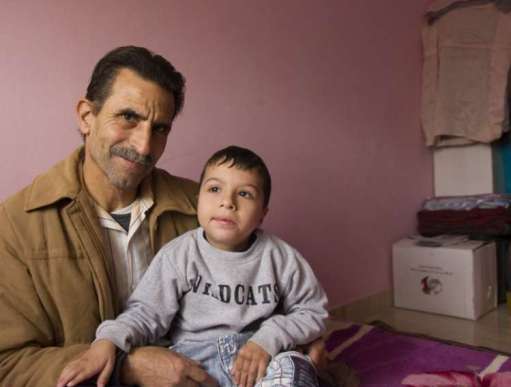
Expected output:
{"points": [[74, 243]]}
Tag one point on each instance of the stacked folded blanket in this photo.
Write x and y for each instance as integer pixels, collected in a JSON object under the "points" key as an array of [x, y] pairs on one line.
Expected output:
{"points": [[480, 215]]}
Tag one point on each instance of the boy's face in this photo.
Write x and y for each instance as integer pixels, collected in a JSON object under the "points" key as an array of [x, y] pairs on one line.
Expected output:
{"points": [[230, 206]]}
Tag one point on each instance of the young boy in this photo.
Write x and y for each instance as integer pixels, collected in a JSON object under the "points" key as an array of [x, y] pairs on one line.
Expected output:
{"points": [[231, 296]]}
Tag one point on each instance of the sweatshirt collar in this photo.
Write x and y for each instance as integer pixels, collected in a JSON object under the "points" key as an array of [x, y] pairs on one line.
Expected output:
{"points": [[210, 251]]}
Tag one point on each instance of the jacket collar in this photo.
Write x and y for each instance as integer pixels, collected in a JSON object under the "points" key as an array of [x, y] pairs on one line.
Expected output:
{"points": [[64, 181], [168, 193], [59, 182]]}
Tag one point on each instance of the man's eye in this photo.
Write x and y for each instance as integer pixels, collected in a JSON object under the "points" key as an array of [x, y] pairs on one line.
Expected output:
{"points": [[161, 129], [129, 116]]}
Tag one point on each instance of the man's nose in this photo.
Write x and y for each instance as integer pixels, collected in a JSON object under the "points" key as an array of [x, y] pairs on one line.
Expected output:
{"points": [[141, 139]]}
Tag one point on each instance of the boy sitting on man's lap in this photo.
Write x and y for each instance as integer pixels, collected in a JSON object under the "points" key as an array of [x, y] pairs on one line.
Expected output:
{"points": [[232, 296]]}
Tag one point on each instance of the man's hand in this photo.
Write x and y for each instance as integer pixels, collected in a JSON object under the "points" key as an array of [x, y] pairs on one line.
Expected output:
{"points": [[99, 358], [317, 353], [158, 367], [250, 365]]}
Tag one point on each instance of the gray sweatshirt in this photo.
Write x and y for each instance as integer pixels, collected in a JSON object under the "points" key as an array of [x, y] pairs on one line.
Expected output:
{"points": [[205, 293]]}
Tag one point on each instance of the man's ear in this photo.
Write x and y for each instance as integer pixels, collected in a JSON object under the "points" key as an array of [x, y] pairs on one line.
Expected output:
{"points": [[85, 115]]}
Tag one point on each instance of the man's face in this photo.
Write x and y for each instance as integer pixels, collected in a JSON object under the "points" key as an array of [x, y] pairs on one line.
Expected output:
{"points": [[230, 206], [125, 139]]}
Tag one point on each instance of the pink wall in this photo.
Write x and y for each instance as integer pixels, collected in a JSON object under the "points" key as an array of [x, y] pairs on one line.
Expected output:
{"points": [[326, 91]]}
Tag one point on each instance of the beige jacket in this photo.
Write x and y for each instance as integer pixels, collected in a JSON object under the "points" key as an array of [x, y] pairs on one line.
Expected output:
{"points": [[467, 57], [56, 281]]}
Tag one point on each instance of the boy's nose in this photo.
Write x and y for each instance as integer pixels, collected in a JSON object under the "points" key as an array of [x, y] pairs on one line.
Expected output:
{"points": [[228, 202]]}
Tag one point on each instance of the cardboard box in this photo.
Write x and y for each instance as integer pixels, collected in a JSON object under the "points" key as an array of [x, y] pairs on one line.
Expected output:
{"points": [[458, 278], [463, 170]]}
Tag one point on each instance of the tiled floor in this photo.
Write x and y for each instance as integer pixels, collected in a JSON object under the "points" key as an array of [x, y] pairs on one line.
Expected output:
{"points": [[493, 330]]}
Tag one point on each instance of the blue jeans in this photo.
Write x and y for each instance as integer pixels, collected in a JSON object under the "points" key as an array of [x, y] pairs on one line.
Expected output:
{"points": [[287, 369]]}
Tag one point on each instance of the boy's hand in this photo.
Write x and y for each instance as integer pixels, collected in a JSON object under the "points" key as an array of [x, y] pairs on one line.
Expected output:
{"points": [[250, 365], [99, 358]]}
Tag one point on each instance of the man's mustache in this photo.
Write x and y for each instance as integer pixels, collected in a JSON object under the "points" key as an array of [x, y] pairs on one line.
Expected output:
{"points": [[131, 155]]}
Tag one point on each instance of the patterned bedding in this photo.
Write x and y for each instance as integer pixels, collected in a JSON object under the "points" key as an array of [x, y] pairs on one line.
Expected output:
{"points": [[381, 357]]}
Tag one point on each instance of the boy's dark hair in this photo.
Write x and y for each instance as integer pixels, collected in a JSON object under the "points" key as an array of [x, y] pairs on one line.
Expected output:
{"points": [[243, 159], [146, 64]]}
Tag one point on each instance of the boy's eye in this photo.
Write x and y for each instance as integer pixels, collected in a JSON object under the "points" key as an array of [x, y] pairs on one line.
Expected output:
{"points": [[246, 194]]}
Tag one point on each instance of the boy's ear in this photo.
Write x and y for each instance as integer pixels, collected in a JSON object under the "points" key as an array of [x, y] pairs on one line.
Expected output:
{"points": [[85, 115], [265, 211]]}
